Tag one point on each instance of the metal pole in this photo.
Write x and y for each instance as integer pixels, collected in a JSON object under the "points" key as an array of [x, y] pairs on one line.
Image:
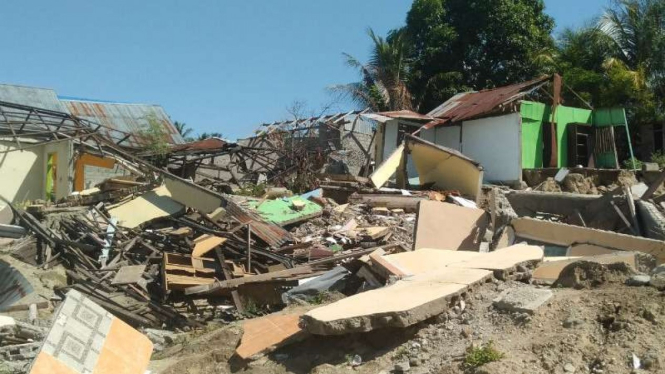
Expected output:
{"points": [[249, 248]]}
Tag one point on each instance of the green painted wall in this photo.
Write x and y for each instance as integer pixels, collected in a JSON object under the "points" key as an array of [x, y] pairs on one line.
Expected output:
{"points": [[533, 115], [532, 134]]}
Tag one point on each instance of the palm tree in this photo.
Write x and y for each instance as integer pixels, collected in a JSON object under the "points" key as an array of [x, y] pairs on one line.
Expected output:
{"points": [[637, 29], [182, 128], [383, 84], [206, 135]]}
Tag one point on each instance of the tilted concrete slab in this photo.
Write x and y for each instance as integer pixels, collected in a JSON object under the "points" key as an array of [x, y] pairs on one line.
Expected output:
{"points": [[439, 276], [448, 226], [402, 304], [147, 207], [427, 259], [567, 235]]}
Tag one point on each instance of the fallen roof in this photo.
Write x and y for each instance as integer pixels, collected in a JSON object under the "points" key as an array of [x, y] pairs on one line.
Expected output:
{"points": [[205, 145], [123, 123], [469, 105]]}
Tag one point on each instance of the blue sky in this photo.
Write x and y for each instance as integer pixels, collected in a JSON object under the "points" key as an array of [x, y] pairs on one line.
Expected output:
{"points": [[218, 65]]}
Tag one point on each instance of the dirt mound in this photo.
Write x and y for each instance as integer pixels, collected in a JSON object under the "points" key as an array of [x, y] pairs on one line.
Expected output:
{"points": [[578, 183], [587, 274], [550, 185]]}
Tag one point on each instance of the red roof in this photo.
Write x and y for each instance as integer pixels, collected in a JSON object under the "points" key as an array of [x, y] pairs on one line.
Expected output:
{"points": [[470, 105]]}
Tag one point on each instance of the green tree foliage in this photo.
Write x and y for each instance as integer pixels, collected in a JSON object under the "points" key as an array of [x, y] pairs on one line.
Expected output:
{"points": [[474, 44], [383, 84], [155, 137], [618, 61], [183, 129], [207, 135]]}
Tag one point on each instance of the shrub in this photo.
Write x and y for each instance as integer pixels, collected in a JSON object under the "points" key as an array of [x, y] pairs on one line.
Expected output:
{"points": [[479, 356]]}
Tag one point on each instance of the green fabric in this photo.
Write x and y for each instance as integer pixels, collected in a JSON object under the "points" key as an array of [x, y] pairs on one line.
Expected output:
{"points": [[50, 177], [609, 117]]}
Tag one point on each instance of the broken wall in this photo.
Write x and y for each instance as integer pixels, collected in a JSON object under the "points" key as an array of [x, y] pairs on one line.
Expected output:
{"points": [[22, 172]]}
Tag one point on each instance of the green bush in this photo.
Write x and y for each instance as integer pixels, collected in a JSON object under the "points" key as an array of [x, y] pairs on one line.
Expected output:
{"points": [[479, 356], [628, 164], [659, 158]]}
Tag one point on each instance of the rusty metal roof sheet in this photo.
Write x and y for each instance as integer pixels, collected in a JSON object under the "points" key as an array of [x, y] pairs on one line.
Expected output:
{"points": [[205, 145], [407, 114], [470, 105], [124, 123]]}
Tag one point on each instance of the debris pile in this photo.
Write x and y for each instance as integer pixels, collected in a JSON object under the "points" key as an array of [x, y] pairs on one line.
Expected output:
{"points": [[152, 257]]}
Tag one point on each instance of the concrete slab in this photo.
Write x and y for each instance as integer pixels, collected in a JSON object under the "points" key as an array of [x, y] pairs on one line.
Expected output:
{"points": [[151, 205], [522, 299], [264, 334], [448, 226], [427, 259], [567, 235], [85, 338], [504, 259], [402, 304], [438, 276]]}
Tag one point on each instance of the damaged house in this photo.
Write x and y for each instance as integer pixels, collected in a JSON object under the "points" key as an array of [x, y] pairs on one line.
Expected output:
{"points": [[282, 151], [39, 157], [506, 133]]}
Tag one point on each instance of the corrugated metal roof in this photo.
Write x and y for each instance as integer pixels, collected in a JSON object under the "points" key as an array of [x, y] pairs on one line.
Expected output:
{"points": [[210, 144], [407, 114], [42, 98], [119, 119], [470, 105]]}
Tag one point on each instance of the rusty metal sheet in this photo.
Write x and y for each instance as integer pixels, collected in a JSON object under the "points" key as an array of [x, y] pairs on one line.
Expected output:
{"points": [[120, 119], [470, 105]]}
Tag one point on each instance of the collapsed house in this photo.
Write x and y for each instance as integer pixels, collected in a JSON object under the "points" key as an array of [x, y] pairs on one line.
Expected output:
{"points": [[299, 149], [173, 249], [508, 134], [39, 135]]}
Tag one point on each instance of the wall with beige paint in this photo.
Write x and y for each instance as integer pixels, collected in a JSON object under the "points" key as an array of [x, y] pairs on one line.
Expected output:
{"points": [[21, 172]]}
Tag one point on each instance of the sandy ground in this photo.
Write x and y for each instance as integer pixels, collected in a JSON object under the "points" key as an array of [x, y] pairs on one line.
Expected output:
{"points": [[576, 331]]}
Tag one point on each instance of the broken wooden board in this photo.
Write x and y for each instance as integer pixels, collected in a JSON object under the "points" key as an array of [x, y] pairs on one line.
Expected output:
{"points": [[281, 211], [206, 243], [180, 271], [448, 226], [129, 275], [85, 338], [262, 335], [568, 235], [549, 271], [147, 207], [388, 168], [192, 195], [402, 304], [446, 168]]}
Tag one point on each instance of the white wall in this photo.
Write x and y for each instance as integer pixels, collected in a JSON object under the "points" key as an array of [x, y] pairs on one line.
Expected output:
{"points": [[495, 142], [22, 172], [449, 136]]}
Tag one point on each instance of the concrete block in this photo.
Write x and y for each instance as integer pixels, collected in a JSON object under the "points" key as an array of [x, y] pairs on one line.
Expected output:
{"points": [[650, 166], [522, 299]]}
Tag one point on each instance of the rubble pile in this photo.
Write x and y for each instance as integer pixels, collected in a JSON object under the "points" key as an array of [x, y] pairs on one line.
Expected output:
{"points": [[152, 261]]}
